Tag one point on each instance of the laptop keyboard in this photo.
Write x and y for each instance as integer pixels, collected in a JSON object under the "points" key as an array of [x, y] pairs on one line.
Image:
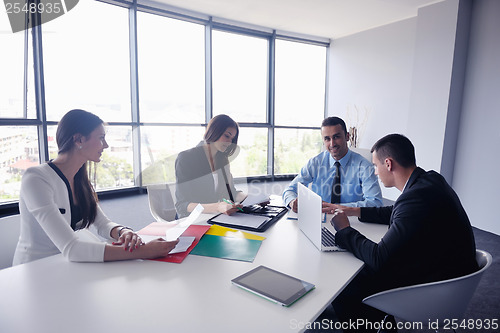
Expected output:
{"points": [[327, 238]]}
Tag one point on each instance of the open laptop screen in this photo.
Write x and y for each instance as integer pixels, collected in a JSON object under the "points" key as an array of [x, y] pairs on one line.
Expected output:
{"points": [[310, 215]]}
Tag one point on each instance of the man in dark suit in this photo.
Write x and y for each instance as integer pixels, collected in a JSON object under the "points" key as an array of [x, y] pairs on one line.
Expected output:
{"points": [[429, 237]]}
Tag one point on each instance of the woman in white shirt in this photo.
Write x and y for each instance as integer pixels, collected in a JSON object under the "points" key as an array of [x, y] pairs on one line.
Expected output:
{"points": [[57, 199]]}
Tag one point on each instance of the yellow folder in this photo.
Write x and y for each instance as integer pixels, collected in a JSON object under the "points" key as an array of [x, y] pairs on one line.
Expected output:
{"points": [[218, 230]]}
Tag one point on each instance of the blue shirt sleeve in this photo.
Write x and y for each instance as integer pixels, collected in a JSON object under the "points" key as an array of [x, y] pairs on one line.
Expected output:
{"points": [[305, 177], [360, 187], [369, 193]]}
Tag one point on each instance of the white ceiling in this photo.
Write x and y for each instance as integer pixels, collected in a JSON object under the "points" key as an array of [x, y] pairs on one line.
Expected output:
{"points": [[321, 18]]}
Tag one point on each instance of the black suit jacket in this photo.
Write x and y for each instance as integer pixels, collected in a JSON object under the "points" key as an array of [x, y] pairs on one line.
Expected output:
{"points": [[194, 180], [429, 237]]}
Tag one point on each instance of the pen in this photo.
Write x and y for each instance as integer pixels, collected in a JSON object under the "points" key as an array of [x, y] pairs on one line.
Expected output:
{"points": [[229, 202]]}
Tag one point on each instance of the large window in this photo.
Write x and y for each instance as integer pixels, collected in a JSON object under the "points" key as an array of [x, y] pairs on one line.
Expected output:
{"points": [[86, 62], [86, 66], [16, 68], [160, 146], [19, 140], [299, 102], [293, 147], [239, 76], [116, 167], [300, 84], [18, 151], [156, 78], [240, 86], [251, 158], [171, 62]]}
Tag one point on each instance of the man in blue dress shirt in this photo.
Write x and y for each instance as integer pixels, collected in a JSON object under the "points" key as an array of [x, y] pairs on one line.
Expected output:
{"points": [[359, 185]]}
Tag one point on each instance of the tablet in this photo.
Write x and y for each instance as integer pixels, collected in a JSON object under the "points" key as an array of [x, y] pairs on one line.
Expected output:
{"points": [[274, 286]]}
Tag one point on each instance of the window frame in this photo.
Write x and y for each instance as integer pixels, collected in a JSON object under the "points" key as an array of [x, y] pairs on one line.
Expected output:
{"points": [[211, 24]]}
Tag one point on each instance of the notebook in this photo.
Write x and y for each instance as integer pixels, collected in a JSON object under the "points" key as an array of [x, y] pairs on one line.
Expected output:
{"points": [[311, 220]]}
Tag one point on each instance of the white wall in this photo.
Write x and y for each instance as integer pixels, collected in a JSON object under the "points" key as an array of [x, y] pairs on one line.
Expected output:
{"points": [[372, 71], [403, 73], [431, 84], [425, 78], [476, 177]]}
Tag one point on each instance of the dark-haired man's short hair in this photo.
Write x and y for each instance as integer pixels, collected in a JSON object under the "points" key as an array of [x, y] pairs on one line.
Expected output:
{"points": [[333, 121], [396, 146]]}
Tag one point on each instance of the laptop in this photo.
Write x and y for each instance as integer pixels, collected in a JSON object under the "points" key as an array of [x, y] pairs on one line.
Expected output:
{"points": [[311, 220]]}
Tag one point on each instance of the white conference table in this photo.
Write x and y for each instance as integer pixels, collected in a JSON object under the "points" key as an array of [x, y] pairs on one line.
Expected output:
{"points": [[53, 295]]}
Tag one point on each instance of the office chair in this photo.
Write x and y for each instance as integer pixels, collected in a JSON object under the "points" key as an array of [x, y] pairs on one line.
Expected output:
{"points": [[161, 202], [435, 301], [10, 228]]}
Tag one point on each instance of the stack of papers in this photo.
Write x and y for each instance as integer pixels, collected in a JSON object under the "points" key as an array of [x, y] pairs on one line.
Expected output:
{"points": [[179, 228], [182, 246], [159, 230]]}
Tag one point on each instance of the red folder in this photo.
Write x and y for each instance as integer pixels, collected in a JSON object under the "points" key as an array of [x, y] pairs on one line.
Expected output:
{"points": [[159, 229]]}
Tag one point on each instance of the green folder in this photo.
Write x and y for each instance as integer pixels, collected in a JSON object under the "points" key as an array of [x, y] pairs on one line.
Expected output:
{"points": [[227, 248]]}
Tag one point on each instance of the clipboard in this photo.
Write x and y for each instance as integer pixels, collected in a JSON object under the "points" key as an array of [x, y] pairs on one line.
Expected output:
{"points": [[253, 218]]}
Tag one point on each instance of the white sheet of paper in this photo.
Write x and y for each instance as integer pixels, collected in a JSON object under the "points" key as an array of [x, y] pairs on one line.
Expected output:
{"points": [[253, 199], [244, 220], [182, 246], [174, 233]]}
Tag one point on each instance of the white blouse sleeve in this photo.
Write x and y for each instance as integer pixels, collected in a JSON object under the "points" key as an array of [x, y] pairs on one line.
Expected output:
{"points": [[39, 198], [103, 224]]}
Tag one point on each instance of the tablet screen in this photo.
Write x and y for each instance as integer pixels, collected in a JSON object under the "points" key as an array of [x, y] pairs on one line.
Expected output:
{"points": [[273, 285]]}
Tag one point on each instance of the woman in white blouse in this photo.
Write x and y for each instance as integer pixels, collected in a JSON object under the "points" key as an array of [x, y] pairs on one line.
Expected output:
{"points": [[57, 199]]}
